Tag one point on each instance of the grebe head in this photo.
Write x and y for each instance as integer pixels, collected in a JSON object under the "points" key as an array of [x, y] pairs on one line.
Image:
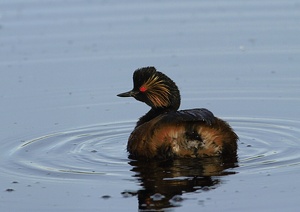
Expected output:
{"points": [[154, 88]]}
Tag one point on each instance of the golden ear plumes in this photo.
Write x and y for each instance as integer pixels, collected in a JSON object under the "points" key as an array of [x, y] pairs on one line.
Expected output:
{"points": [[157, 91]]}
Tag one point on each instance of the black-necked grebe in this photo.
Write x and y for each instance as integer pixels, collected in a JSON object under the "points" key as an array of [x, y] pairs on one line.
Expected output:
{"points": [[166, 132]]}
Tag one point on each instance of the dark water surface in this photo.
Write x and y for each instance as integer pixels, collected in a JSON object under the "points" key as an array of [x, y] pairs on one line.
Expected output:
{"points": [[63, 131]]}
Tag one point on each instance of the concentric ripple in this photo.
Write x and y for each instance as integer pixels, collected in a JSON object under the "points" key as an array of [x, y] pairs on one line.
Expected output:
{"points": [[265, 144], [91, 151]]}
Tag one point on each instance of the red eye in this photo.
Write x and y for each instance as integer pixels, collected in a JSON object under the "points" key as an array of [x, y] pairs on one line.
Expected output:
{"points": [[143, 89]]}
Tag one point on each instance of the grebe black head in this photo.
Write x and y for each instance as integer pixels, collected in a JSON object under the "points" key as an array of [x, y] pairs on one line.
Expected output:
{"points": [[155, 89]]}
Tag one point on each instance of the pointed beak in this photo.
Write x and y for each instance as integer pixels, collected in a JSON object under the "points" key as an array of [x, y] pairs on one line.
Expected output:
{"points": [[127, 94]]}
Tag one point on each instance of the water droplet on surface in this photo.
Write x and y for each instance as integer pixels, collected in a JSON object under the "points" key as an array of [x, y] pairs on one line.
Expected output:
{"points": [[106, 197], [157, 197]]}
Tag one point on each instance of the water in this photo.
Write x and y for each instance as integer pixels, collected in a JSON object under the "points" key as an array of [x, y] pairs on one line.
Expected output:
{"points": [[63, 131]]}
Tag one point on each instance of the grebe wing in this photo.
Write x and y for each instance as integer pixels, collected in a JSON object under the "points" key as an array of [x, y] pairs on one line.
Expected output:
{"points": [[198, 114]]}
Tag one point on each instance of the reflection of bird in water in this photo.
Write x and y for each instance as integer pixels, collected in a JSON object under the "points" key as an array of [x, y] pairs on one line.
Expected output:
{"points": [[163, 182], [165, 132]]}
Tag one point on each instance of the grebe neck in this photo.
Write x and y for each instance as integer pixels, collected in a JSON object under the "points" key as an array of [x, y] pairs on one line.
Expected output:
{"points": [[154, 112]]}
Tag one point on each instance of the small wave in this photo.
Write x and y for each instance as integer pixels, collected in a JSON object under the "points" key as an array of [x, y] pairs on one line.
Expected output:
{"points": [[267, 144], [100, 150]]}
